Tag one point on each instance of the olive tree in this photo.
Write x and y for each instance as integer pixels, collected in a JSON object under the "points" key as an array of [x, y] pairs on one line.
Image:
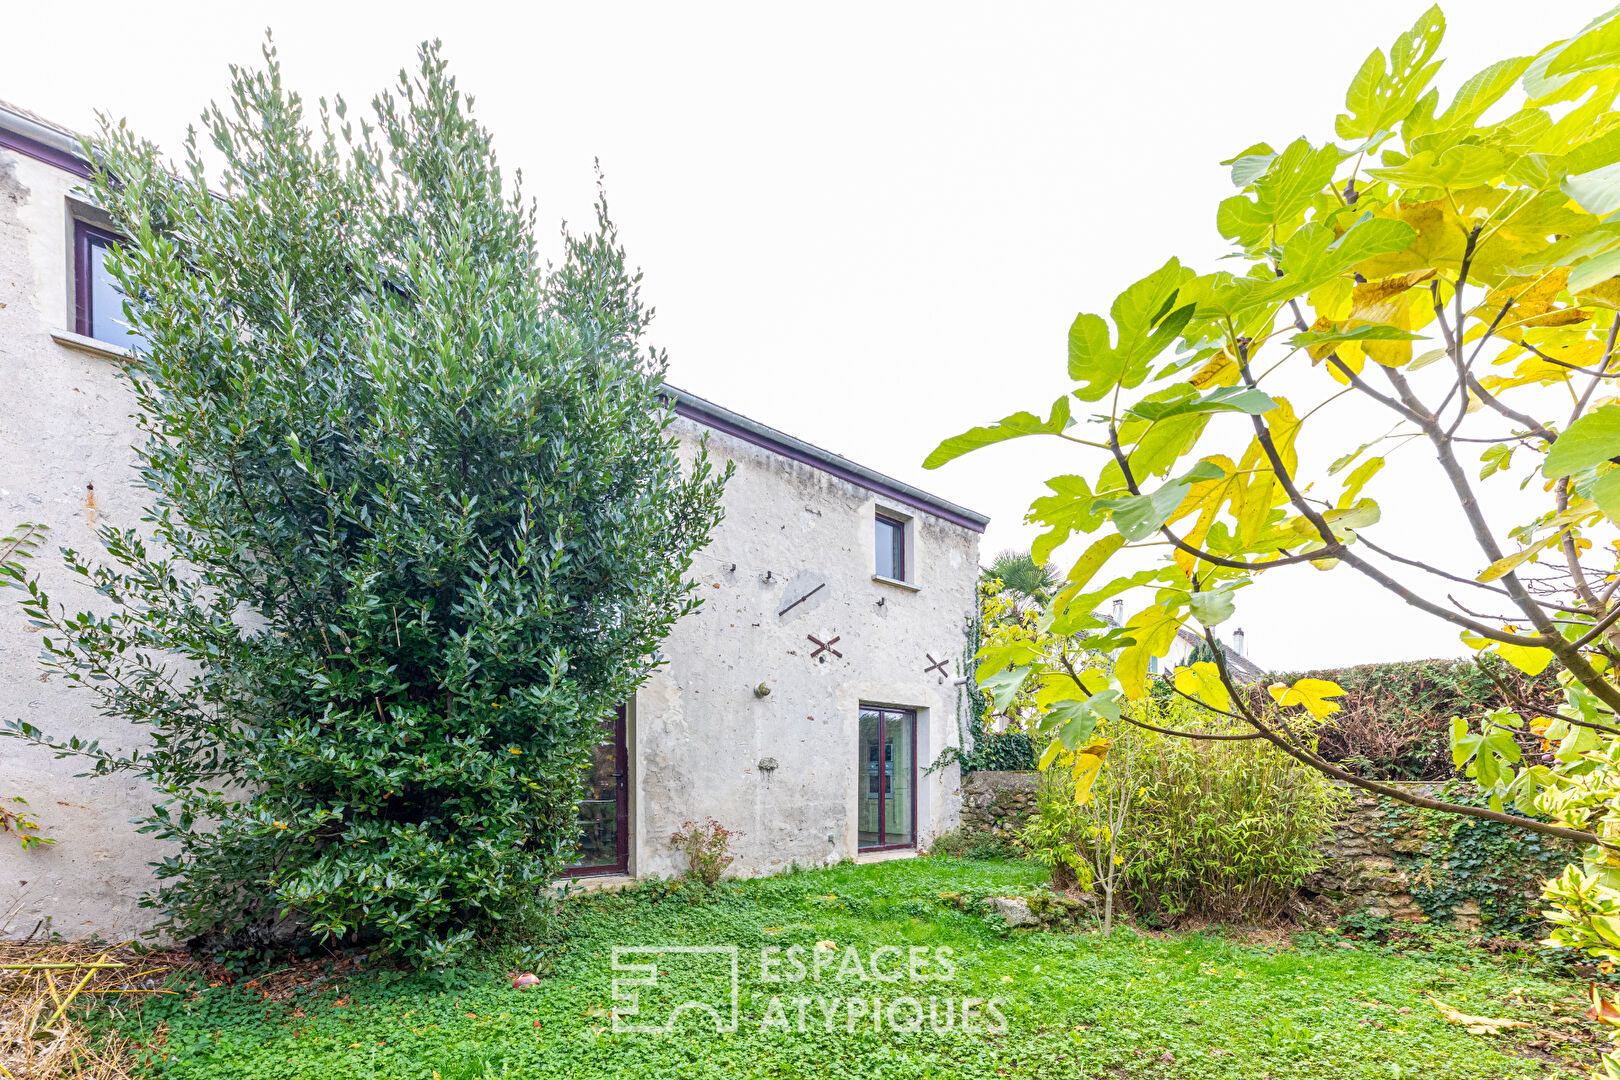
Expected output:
{"points": [[417, 520]]}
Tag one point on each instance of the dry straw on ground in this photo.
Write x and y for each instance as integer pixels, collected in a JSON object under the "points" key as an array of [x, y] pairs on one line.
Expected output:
{"points": [[44, 988]]}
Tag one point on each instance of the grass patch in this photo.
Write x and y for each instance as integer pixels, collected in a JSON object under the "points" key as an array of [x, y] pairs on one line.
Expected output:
{"points": [[1135, 1006]]}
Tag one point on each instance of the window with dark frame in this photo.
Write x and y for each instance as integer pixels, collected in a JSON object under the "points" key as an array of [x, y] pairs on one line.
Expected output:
{"points": [[98, 303], [891, 548]]}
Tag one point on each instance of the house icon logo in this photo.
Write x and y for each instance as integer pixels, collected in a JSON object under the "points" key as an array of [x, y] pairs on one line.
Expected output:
{"points": [[704, 976]]}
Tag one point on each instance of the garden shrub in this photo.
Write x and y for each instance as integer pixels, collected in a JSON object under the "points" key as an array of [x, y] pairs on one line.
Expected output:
{"points": [[417, 522], [1057, 834], [707, 848], [966, 843], [1211, 829], [1221, 829]]}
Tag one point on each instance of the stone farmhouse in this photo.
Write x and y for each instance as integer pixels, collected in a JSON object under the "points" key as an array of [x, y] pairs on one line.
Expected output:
{"points": [[803, 705]]}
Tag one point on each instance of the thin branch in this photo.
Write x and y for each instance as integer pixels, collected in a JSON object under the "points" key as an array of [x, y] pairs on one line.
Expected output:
{"points": [[1526, 706], [1437, 572], [1190, 734]]}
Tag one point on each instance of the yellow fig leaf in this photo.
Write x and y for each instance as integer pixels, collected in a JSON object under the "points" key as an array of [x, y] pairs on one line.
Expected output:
{"points": [[1207, 497], [1509, 563], [1153, 629], [1203, 681], [1530, 659], [1312, 694], [1440, 240], [1220, 370], [1088, 763], [1263, 491], [1386, 303], [1475, 1025], [1054, 752]]}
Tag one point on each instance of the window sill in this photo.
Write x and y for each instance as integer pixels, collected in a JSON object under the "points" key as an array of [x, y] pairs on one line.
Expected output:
{"points": [[896, 582], [91, 345]]}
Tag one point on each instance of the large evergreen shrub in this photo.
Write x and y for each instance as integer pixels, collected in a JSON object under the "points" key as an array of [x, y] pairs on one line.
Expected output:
{"points": [[417, 522]]}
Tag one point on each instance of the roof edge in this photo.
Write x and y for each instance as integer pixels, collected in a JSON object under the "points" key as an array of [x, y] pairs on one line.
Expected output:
{"points": [[32, 137], [739, 426], [29, 135]]}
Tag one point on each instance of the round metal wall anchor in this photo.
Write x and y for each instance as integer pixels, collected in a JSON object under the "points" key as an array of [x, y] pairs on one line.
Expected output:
{"points": [[767, 764]]}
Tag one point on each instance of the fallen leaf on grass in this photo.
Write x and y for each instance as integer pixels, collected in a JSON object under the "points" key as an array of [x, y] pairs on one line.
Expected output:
{"points": [[1603, 1009], [1475, 1025]]}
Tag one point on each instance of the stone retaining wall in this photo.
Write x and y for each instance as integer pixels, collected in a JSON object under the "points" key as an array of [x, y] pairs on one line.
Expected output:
{"points": [[1370, 853], [998, 803], [1363, 872]]}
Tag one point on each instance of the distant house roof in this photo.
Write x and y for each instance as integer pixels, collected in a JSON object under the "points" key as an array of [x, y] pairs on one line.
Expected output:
{"points": [[1242, 670]]}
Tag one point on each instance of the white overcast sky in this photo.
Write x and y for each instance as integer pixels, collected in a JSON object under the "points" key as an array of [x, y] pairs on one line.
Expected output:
{"points": [[867, 224]]}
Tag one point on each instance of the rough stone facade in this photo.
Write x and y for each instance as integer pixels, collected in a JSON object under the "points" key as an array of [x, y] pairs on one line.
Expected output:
{"points": [[796, 535], [703, 740], [65, 438]]}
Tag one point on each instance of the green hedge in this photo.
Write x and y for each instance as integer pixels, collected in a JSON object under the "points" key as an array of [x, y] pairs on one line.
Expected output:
{"points": [[1394, 718]]}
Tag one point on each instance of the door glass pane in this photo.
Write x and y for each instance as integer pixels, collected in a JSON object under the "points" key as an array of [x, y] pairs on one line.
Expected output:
{"points": [[599, 809], [898, 748], [869, 796]]}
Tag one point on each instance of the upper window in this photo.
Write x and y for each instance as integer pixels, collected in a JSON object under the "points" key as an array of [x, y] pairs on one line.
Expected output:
{"points": [[99, 302], [891, 548]]}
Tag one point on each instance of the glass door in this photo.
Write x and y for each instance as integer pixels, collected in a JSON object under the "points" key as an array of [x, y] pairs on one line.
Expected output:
{"points": [[887, 778], [604, 811]]}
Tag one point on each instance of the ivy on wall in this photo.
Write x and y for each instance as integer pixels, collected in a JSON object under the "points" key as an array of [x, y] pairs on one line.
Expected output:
{"points": [[986, 750], [1452, 861]]}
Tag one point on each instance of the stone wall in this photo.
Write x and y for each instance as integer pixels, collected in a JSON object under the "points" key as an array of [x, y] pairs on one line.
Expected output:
{"points": [[998, 803], [1364, 871], [1378, 854], [789, 568], [1388, 859]]}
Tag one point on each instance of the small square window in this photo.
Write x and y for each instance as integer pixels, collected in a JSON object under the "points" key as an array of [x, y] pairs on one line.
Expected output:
{"points": [[891, 548], [97, 298]]}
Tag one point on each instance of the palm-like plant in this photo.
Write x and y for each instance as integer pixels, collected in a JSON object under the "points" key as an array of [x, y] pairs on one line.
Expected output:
{"points": [[1022, 576]]}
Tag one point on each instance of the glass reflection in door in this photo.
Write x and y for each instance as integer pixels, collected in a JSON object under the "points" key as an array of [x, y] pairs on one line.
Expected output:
{"points": [[887, 778]]}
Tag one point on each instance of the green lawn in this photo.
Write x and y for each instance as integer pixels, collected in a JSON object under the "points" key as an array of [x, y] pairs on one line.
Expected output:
{"points": [[1074, 1005]]}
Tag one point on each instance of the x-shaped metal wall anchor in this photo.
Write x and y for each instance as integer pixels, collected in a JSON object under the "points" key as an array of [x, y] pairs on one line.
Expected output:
{"points": [[824, 646], [935, 665]]}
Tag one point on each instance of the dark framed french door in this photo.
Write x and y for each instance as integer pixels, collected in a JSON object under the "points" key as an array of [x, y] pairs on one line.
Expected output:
{"points": [[604, 811], [886, 808]]}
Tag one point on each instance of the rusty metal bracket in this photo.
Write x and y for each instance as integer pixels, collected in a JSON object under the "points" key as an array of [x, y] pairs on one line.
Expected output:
{"points": [[801, 599], [824, 646]]}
